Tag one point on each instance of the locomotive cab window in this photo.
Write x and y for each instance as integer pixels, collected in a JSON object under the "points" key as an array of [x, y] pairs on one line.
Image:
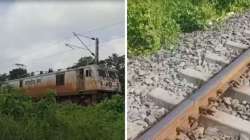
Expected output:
{"points": [[88, 73], [60, 79], [81, 73]]}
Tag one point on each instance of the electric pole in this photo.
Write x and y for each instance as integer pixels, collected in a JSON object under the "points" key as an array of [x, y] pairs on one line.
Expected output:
{"points": [[97, 51], [96, 54]]}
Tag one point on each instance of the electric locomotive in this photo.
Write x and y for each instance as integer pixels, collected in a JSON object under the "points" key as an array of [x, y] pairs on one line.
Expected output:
{"points": [[91, 80]]}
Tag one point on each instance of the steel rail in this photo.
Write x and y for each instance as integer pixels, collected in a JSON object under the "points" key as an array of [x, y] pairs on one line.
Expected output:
{"points": [[165, 129]]}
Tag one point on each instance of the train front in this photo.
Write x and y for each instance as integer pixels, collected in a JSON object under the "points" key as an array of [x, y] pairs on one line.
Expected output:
{"points": [[108, 79]]}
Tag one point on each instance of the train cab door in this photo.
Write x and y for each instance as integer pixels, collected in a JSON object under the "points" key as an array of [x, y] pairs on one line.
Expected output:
{"points": [[60, 83], [81, 79], [21, 84]]}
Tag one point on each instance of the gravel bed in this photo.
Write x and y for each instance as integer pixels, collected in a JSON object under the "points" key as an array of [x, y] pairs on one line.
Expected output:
{"points": [[209, 133], [161, 70], [235, 107]]}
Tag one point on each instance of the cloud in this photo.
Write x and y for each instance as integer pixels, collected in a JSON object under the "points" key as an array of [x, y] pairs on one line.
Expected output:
{"points": [[113, 46], [34, 33]]}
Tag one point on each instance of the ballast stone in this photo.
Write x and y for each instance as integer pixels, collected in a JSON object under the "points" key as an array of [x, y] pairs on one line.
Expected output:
{"points": [[134, 130], [223, 121], [212, 131], [243, 137], [164, 98], [150, 120], [236, 45], [241, 93], [247, 32]]}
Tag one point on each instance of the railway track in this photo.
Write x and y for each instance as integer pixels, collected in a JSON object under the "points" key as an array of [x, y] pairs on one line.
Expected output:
{"points": [[219, 109], [156, 84]]}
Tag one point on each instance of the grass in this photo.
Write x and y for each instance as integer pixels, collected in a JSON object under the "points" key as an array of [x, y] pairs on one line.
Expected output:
{"points": [[156, 24], [23, 119]]}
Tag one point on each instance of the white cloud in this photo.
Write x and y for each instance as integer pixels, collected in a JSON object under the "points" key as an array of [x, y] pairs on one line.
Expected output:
{"points": [[113, 46], [34, 33]]}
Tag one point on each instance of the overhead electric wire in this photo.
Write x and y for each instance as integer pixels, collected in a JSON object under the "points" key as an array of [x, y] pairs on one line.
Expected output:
{"points": [[83, 43], [95, 29], [84, 36], [63, 52], [104, 27], [74, 46], [59, 42]]}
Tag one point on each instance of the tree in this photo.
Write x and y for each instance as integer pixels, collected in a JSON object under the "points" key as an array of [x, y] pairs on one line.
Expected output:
{"points": [[18, 73], [3, 77], [117, 62], [83, 61]]}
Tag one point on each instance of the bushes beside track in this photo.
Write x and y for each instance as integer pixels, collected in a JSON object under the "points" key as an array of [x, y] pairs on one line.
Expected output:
{"points": [[23, 119], [156, 24]]}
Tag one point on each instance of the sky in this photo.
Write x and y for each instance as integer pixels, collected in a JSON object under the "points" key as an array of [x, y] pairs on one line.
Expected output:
{"points": [[35, 33]]}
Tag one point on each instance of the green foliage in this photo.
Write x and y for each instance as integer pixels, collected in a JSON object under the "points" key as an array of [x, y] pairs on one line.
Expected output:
{"points": [[117, 62], [23, 119], [153, 25], [222, 5], [115, 105], [84, 61], [96, 123], [3, 77], [191, 16], [18, 73], [148, 24]]}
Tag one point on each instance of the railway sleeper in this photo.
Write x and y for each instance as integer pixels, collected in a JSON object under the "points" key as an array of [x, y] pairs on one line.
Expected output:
{"points": [[164, 98], [227, 123], [235, 45], [194, 76], [212, 57], [240, 93]]}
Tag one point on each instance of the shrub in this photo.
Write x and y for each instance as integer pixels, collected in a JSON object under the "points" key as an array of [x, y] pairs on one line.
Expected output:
{"points": [[148, 24], [23, 119]]}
